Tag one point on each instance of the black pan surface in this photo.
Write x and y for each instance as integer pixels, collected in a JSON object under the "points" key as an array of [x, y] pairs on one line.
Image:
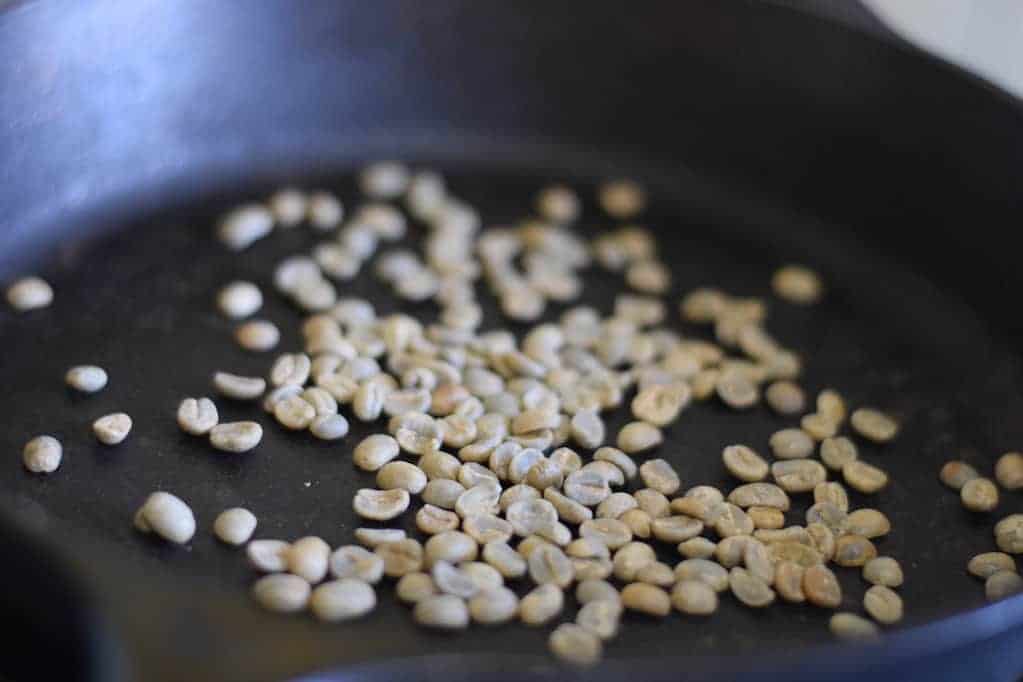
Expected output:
{"points": [[139, 303], [135, 265]]}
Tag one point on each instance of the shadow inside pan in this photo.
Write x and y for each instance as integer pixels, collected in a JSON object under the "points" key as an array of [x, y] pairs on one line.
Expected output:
{"points": [[139, 302]]}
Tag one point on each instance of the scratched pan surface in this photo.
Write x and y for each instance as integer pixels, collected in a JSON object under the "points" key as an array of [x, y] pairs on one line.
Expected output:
{"points": [[922, 332]]}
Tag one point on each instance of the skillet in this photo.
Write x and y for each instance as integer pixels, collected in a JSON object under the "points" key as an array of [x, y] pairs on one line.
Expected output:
{"points": [[765, 136]]}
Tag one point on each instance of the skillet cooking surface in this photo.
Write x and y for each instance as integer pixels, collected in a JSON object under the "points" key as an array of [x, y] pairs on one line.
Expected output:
{"points": [[139, 303], [147, 119]]}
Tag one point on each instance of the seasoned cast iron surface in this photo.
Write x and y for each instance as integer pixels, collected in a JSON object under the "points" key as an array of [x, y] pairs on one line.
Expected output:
{"points": [[139, 302]]}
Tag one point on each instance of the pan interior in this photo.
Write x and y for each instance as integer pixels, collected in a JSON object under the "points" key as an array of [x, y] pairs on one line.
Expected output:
{"points": [[138, 300]]}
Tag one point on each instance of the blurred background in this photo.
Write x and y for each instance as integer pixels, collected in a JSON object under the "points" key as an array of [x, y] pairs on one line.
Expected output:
{"points": [[984, 36]]}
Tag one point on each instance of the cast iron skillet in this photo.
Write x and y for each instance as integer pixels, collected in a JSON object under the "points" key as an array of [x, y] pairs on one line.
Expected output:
{"points": [[766, 136]]}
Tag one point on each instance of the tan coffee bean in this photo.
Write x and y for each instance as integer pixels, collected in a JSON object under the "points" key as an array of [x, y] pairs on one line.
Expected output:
{"points": [[440, 465], [795, 534], [432, 520], [1009, 534], [703, 570], [870, 523], [236, 436], [797, 284], [766, 517], [987, 564], [749, 589], [758, 561], [374, 537], [612, 532], [822, 540], [736, 390], [676, 529], [484, 528], [541, 605], [622, 199], [597, 590], [745, 464], [874, 425], [566, 459], [344, 599], [759, 495], [234, 526], [42, 455], [413, 588], [281, 593], [795, 552], [864, 477], [979, 495], [694, 598], [197, 416], [833, 493], [619, 459], [268, 556], [837, 452], [575, 645], [798, 475], [854, 550], [828, 515], [453, 580], [732, 521], [380, 505], [785, 398], [1009, 471], [653, 502], [401, 557], [309, 558], [588, 548], [730, 550], [885, 605], [659, 475], [375, 451], [506, 560], [586, 487], [494, 606], [660, 405], [956, 474], [166, 515], [480, 499], [592, 569], [401, 476], [616, 505], [645, 598], [639, 436], [820, 427], [697, 548], [821, 587], [601, 617], [549, 564], [631, 558], [442, 492], [638, 522], [442, 611], [353, 561], [451, 546], [831, 405], [704, 383], [850, 626], [884, 571], [791, 444], [788, 581], [999, 586]]}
